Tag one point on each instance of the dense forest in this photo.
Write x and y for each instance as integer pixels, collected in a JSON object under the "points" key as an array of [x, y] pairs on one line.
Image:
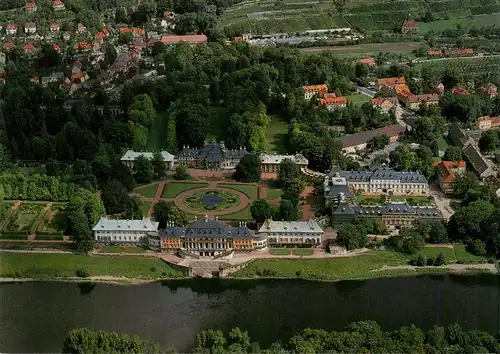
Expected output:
{"points": [[358, 337]]}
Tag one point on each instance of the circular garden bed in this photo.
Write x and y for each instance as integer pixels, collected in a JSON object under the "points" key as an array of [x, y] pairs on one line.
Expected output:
{"points": [[212, 200]]}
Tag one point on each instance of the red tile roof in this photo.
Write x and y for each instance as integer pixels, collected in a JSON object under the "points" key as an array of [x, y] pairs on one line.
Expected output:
{"points": [[56, 47], [315, 88], [333, 100], [28, 47], [391, 81], [379, 100], [82, 45], [99, 36], [368, 61], [135, 30], [30, 5], [8, 45], [460, 91], [445, 169], [434, 52], [12, 27], [57, 3], [197, 38], [409, 23]]}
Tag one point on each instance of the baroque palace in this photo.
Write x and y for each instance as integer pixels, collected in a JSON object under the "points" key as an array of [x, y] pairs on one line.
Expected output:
{"points": [[208, 237]]}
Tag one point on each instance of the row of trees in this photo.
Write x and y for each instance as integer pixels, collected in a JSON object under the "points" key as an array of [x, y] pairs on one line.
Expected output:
{"points": [[357, 337]]}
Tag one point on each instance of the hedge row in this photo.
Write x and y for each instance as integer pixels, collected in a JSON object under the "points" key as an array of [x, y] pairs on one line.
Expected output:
{"points": [[13, 237], [49, 237]]}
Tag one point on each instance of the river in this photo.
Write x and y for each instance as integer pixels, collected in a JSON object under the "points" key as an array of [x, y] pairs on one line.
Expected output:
{"points": [[36, 316]]}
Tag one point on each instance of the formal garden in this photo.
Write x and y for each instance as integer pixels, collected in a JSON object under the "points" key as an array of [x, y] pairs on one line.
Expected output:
{"points": [[212, 200]]}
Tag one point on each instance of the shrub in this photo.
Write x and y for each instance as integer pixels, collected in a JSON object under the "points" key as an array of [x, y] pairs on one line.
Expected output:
{"points": [[430, 261], [477, 247], [420, 261], [439, 259], [82, 273], [491, 261], [153, 269]]}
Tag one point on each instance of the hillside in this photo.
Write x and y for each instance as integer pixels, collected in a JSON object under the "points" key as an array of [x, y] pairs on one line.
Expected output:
{"points": [[267, 16]]}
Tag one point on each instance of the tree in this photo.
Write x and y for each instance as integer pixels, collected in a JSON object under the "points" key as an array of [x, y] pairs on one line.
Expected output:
{"points": [[488, 141], [408, 241], [288, 211], [168, 212], [453, 153], [143, 169], [181, 173], [248, 169], [477, 247], [132, 209], [352, 236], [125, 38], [115, 197], [378, 142], [463, 183], [287, 172], [439, 259], [467, 221], [402, 158], [261, 210], [159, 166]]}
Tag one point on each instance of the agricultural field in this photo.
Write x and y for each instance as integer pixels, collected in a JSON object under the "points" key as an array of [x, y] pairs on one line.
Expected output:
{"points": [[370, 49], [474, 66], [463, 22]]}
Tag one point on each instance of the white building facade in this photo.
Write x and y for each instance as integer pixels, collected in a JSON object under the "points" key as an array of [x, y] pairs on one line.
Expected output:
{"points": [[123, 231], [129, 158], [292, 232]]}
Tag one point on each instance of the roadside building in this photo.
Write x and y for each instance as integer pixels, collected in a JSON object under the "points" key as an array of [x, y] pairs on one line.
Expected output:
{"points": [[434, 53], [123, 231], [311, 90], [212, 156], [292, 232], [390, 82], [334, 103], [271, 163], [129, 157], [409, 27], [447, 172], [355, 142], [458, 52]]}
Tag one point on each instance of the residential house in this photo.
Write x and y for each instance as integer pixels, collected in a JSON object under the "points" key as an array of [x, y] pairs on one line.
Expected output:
{"points": [[447, 172], [355, 142], [487, 122], [30, 6], [29, 48], [66, 36], [55, 27], [292, 232], [76, 67], [153, 36], [190, 39], [489, 89], [58, 5], [55, 77], [11, 29], [168, 20], [409, 27], [434, 53], [35, 80], [56, 47], [415, 101], [79, 77], [206, 238], [312, 90], [135, 31], [390, 82], [129, 157], [8, 45], [384, 104], [123, 231], [82, 46], [29, 28], [80, 28], [370, 61], [213, 156], [271, 163], [460, 91], [333, 103], [99, 37]]}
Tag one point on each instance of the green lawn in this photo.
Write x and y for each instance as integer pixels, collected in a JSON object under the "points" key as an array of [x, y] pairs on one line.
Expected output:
{"points": [[341, 268], [147, 191], [464, 22], [123, 249], [43, 266], [157, 132], [280, 251], [358, 99], [449, 253], [276, 136], [172, 189], [442, 144], [461, 254], [273, 193], [250, 190], [145, 206], [218, 118], [240, 215], [303, 251]]}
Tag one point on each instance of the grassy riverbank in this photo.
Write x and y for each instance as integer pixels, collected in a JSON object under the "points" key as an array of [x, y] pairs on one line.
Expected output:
{"points": [[50, 266]]}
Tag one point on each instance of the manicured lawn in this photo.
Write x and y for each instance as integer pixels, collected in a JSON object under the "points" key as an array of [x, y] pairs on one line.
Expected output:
{"points": [[461, 254], [172, 189], [157, 132], [249, 189], [276, 136], [65, 265], [449, 253], [377, 199], [273, 193], [147, 191], [442, 144], [303, 251], [332, 269], [240, 215], [145, 206], [126, 249], [280, 251], [358, 99]]}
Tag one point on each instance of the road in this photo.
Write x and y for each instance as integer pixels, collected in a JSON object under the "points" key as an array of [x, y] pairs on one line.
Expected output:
{"points": [[366, 91], [442, 201]]}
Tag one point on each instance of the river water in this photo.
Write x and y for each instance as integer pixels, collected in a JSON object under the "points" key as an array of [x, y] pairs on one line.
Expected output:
{"points": [[36, 316]]}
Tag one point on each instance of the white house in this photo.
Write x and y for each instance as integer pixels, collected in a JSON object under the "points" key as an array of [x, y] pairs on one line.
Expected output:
{"points": [[29, 27], [130, 156], [11, 29], [271, 163], [292, 232], [123, 231]]}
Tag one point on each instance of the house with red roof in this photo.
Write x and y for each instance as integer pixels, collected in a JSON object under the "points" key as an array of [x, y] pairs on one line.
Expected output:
{"points": [[55, 27], [136, 31], [105, 32], [311, 90], [82, 46], [409, 27], [80, 28], [488, 89], [391, 82], [56, 47], [333, 103], [487, 122], [414, 102], [29, 48], [8, 45], [191, 39], [458, 52], [11, 29], [384, 104], [434, 53], [370, 61], [447, 172], [58, 5], [99, 36], [460, 91], [30, 6]]}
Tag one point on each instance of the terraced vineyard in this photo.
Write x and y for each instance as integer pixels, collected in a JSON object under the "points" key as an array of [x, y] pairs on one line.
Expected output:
{"points": [[272, 16], [475, 66]]}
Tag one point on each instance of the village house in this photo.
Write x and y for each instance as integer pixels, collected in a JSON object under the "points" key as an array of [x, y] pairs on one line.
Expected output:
{"points": [[11, 29], [129, 157], [440, 88], [190, 39], [55, 27], [58, 5], [434, 53], [487, 122], [82, 46], [271, 163], [384, 104], [8, 45], [390, 82], [168, 20], [409, 27], [333, 103], [415, 101], [29, 48], [312, 90], [447, 172], [488, 89], [370, 61], [30, 6], [79, 77], [356, 142], [29, 28], [135, 31], [99, 37]]}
